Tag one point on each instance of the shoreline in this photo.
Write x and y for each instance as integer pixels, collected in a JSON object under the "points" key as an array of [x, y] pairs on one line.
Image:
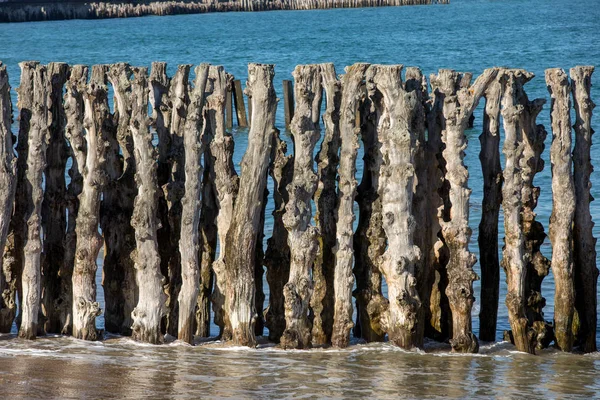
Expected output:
{"points": [[51, 11]]}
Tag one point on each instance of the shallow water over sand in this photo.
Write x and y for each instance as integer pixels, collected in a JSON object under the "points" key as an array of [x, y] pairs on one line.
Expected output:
{"points": [[121, 368], [467, 35]]}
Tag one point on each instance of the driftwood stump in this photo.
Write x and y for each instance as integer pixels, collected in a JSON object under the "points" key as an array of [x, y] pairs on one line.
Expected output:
{"points": [[586, 272], [302, 236], [8, 184], [189, 242], [240, 244], [322, 300], [151, 306], [563, 207]]}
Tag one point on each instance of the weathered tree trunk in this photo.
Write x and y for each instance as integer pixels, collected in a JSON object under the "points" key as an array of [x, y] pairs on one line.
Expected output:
{"points": [[277, 257], [174, 190], [89, 240], [54, 217], [13, 256], [37, 143], [118, 273], [302, 236], [586, 273], [489, 156], [74, 111], [424, 274], [8, 184], [151, 306], [396, 110], [369, 238], [322, 300], [162, 109], [460, 101], [563, 207], [344, 253], [514, 257], [226, 185], [189, 242], [240, 244]]}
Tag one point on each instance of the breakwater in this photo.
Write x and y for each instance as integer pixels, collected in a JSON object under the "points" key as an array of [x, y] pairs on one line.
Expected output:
{"points": [[164, 208], [47, 11]]}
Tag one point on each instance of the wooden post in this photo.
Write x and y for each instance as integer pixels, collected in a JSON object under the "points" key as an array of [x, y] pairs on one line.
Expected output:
{"points": [[179, 97], [416, 82], [54, 216], [120, 289], [189, 242], [489, 157], [8, 181], [514, 258], [277, 257], [369, 239], [159, 85], [460, 101], [240, 244], [538, 266], [226, 185], [563, 207], [74, 110], [39, 135], [229, 102], [586, 272], [343, 281], [396, 109], [151, 304], [240, 108], [322, 300], [288, 102], [302, 235], [91, 159]]}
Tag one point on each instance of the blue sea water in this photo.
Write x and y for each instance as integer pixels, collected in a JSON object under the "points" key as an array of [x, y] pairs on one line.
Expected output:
{"points": [[467, 35]]}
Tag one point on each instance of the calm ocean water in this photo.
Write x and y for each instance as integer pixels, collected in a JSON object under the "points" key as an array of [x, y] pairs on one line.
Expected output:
{"points": [[468, 35]]}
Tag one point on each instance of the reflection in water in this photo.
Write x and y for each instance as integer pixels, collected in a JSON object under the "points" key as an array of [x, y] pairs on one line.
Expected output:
{"points": [[62, 367]]}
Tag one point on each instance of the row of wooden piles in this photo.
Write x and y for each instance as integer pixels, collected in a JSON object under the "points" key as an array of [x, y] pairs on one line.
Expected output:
{"points": [[19, 11], [163, 191]]}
